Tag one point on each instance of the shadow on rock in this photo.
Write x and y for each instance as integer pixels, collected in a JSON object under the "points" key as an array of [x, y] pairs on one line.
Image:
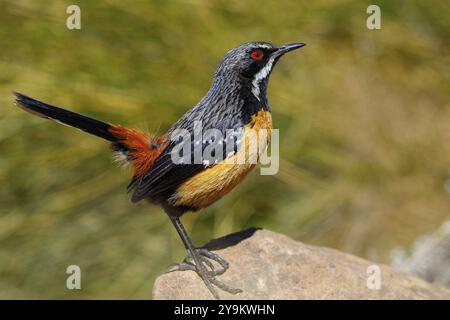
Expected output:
{"points": [[231, 239]]}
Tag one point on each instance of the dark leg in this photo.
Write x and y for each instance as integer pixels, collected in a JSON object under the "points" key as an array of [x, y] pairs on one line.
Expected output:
{"points": [[205, 256], [199, 257]]}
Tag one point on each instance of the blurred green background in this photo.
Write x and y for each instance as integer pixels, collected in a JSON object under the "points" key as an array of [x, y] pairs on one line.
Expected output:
{"points": [[364, 119]]}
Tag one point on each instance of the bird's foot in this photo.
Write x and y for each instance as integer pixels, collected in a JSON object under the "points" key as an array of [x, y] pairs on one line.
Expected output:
{"points": [[206, 268]]}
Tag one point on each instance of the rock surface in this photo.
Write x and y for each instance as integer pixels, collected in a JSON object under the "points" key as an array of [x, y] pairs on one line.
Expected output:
{"points": [[268, 265], [429, 258]]}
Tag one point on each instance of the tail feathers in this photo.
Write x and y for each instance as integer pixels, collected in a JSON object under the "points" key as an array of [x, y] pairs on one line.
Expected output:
{"points": [[138, 148], [129, 145], [44, 110]]}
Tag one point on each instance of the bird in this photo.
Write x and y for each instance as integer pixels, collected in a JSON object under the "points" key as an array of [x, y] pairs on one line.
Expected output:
{"points": [[236, 102]]}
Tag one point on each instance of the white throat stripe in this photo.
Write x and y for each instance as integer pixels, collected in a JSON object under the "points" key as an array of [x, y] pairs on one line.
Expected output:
{"points": [[261, 76]]}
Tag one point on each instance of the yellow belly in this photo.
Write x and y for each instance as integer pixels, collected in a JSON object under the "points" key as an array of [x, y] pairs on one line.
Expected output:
{"points": [[214, 182]]}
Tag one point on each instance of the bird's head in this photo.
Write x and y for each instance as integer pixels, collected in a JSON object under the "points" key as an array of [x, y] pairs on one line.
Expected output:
{"points": [[252, 62]]}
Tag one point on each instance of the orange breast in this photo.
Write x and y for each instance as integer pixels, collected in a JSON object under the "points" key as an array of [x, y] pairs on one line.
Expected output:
{"points": [[214, 182]]}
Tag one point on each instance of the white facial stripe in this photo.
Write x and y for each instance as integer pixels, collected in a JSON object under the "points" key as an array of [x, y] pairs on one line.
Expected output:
{"points": [[266, 46], [261, 76]]}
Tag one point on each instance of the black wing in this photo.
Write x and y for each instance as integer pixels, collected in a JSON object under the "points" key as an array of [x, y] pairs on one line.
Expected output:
{"points": [[166, 173]]}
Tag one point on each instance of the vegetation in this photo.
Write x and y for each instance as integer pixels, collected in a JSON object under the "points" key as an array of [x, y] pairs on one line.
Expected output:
{"points": [[364, 119]]}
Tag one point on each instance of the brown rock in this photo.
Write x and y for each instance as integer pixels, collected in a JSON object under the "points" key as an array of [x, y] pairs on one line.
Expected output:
{"points": [[268, 265]]}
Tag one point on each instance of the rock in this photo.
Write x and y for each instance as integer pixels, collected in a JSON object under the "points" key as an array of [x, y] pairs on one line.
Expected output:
{"points": [[429, 258], [268, 265]]}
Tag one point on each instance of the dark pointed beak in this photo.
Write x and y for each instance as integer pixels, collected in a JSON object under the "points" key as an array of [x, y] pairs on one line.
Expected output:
{"points": [[286, 48]]}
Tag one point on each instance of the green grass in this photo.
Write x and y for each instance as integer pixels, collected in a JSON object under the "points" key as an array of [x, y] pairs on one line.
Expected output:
{"points": [[364, 119]]}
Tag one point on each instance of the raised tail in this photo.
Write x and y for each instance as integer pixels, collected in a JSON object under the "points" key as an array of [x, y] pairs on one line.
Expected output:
{"points": [[44, 110], [129, 145]]}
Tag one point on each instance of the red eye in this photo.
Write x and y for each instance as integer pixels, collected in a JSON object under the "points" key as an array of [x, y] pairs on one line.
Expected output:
{"points": [[256, 55]]}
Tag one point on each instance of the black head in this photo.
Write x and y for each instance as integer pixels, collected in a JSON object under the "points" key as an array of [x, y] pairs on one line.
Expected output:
{"points": [[253, 62]]}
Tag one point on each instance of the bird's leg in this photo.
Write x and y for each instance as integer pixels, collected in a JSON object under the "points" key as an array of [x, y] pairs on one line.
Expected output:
{"points": [[197, 260], [211, 255], [205, 256]]}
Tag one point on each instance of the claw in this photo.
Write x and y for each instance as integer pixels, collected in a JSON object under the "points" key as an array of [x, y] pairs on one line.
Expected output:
{"points": [[183, 266], [206, 269]]}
